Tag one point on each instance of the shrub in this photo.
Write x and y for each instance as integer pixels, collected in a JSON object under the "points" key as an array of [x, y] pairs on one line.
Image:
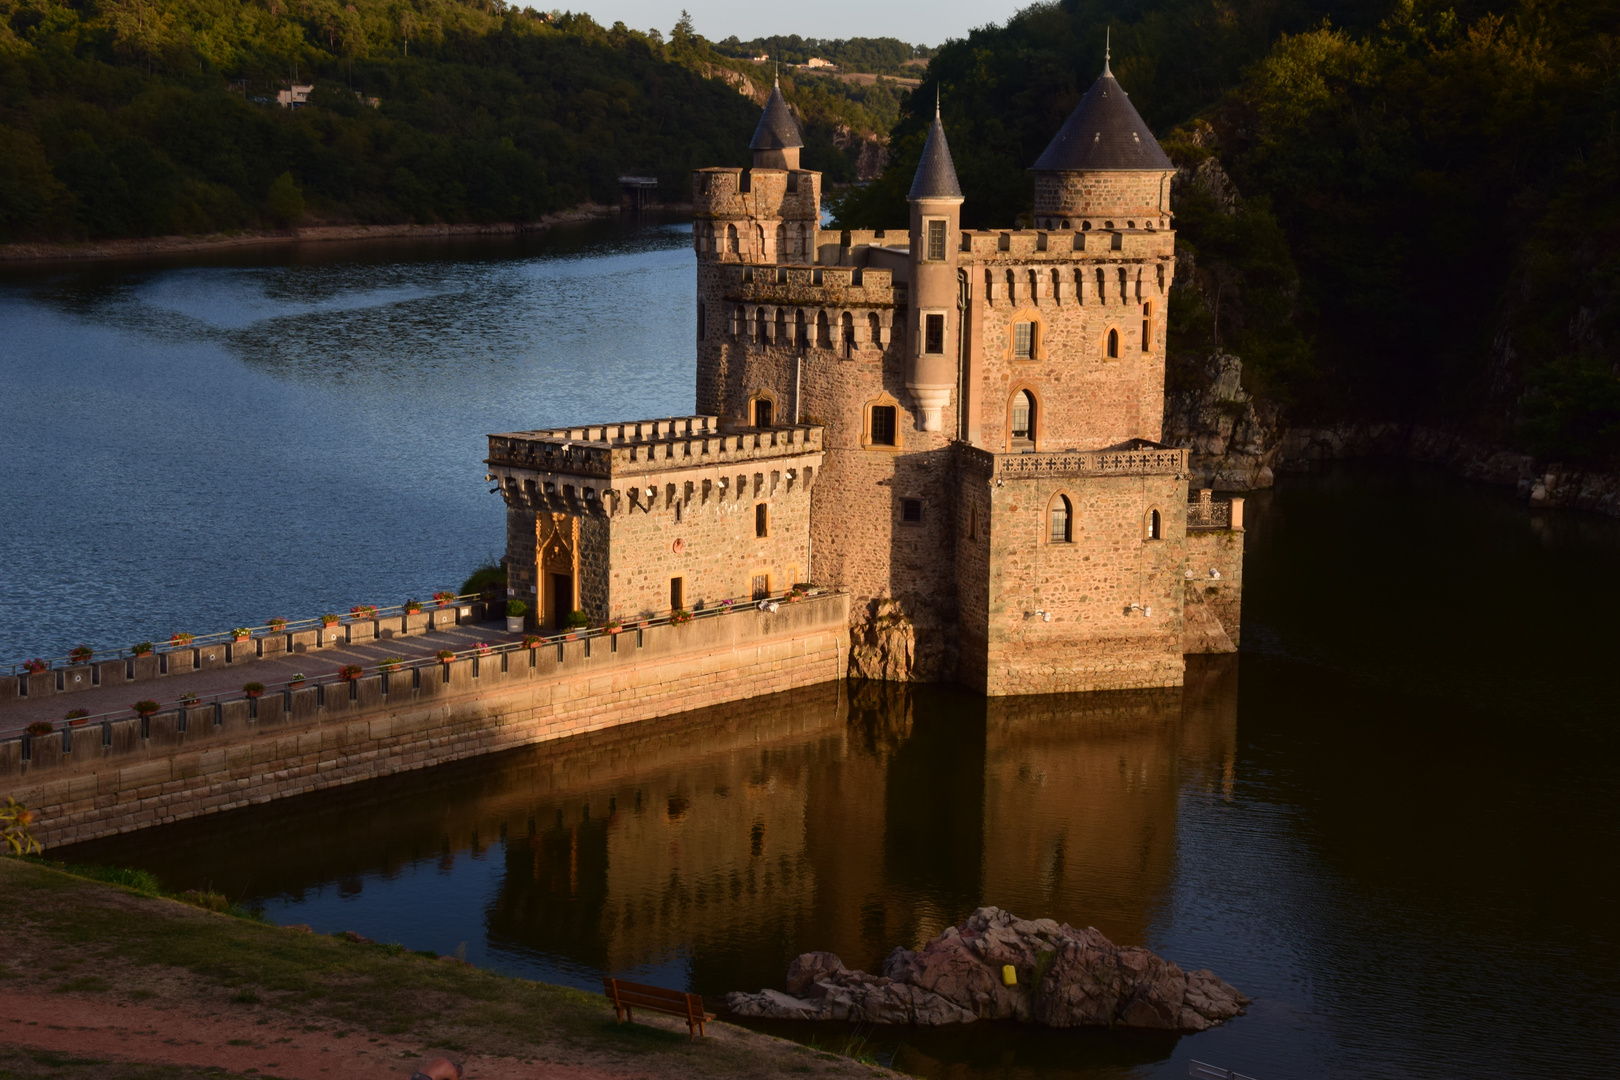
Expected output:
{"points": [[141, 648], [488, 578], [349, 672], [253, 689], [516, 609], [15, 819], [145, 707], [81, 655], [35, 666], [578, 620], [39, 727], [182, 638]]}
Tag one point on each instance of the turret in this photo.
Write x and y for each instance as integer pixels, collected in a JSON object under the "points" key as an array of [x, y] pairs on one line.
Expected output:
{"points": [[1104, 169], [936, 222], [776, 140]]}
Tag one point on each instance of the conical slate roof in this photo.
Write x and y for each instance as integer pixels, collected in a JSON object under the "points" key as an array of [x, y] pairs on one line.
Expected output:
{"points": [[776, 130], [1104, 132], [936, 173]]}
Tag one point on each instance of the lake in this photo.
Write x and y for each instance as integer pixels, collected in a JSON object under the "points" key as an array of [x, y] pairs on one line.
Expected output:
{"points": [[1391, 819]]}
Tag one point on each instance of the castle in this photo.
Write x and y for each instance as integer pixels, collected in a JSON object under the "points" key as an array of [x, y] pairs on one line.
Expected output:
{"points": [[957, 427]]}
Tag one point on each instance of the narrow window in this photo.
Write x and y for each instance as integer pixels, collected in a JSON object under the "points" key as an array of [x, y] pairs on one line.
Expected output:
{"points": [[759, 241], [933, 333], [1119, 240], [701, 321], [801, 242], [801, 333], [973, 523], [731, 239], [781, 241], [1113, 344], [781, 326], [936, 241], [1154, 526], [1023, 421], [762, 520], [1023, 340], [1147, 326], [761, 586], [874, 332], [1060, 529], [762, 412], [823, 331], [911, 511], [761, 332], [883, 425], [677, 590], [846, 323]]}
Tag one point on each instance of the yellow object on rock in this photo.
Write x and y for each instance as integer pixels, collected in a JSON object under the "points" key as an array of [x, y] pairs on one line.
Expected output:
{"points": [[1009, 975]]}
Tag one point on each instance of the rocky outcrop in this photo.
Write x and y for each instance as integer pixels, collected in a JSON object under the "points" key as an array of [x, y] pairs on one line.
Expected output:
{"points": [[884, 645], [1234, 438], [1063, 978]]}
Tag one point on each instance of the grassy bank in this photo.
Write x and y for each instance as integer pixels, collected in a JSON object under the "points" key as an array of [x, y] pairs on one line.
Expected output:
{"points": [[212, 994]]}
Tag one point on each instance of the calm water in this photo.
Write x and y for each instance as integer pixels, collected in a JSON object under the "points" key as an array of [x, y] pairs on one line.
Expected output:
{"points": [[1391, 820]]}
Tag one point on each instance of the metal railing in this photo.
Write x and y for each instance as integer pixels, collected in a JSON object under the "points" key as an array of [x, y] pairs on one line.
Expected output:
{"points": [[530, 641], [1205, 514], [225, 637]]}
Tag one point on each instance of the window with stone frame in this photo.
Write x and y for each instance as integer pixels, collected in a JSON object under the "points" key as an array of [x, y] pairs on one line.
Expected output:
{"points": [[1023, 421], [1113, 344], [1024, 340], [883, 425], [1147, 326], [764, 409], [911, 511], [1060, 521], [933, 333], [762, 520], [936, 240]]}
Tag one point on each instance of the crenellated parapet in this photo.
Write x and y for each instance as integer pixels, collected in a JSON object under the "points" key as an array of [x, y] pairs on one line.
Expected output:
{"points": [[1036, 266], [756, 215]]}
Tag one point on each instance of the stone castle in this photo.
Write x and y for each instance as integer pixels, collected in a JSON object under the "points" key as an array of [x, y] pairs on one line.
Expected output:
{"points": [[959, 428]]}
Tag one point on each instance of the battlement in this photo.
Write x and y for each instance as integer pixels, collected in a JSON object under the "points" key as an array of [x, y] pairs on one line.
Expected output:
{"points": [[765, 194], [826, 286], [1139, 457], [1060, 245]]}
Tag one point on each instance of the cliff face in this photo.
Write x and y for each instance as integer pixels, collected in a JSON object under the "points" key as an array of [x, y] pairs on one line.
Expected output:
{"points": [[1235, 439]]}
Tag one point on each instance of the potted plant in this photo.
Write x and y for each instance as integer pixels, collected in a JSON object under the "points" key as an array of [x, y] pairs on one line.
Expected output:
{"points": [[484, 648], [363, 611], [727, 604], [515, 610], [81, 655], [253, 689], [182, 638], [349, 672], [445, 655], [39, 727], [532, 641], [276, 625], [141, 648], [390, 663], [145, 707], [328, 619], [78, 717], [613, 626], [412, 607], [444, 598], [297, 680], [241, 633], [188, 699], [36, 666], [679, 616]]}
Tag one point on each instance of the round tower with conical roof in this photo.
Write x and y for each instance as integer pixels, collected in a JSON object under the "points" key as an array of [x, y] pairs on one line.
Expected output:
{"points": [[776, 142], [1104, 169], [936, 226]]}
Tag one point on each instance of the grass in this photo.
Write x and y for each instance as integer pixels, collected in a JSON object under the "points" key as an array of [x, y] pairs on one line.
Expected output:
{"points": [[132, 934]]}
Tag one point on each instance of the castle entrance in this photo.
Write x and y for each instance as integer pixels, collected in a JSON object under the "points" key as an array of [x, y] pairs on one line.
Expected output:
{"points": [[561, 601], [557, 558]]}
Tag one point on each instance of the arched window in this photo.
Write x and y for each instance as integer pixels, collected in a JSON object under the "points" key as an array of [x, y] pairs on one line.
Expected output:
{"points": [[759, 241], [761, 332], [781, 241], [764, 411], [823, 331], [801, 332], [731, 239], [1023, 421], [846, 328], [781, 326], [1065, 224], [1147, 326], [874, 331], [1113, 344], [1060, 521], [1155, 526]]}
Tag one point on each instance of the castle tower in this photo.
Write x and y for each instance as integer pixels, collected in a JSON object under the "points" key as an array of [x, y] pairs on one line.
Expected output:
{"points": [[936, 219], [776, 142], [1104, 169]]}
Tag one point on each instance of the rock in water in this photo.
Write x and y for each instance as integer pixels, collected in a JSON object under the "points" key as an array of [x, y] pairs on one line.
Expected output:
{"points": [[1066, 978]]}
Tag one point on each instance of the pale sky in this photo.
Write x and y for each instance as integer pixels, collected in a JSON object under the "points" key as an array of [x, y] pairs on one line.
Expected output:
{"points": [[920, 22]]}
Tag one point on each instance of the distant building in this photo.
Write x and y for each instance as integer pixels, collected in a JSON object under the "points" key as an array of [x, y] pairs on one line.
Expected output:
{"points": [[818, 62], [295, 98]]}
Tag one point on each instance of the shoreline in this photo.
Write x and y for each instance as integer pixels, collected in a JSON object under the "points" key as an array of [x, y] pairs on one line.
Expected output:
{"points": [[158, 246]]}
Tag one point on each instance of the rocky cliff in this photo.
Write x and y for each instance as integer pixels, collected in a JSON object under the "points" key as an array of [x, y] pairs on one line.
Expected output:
{"points": [[1061, 977]]}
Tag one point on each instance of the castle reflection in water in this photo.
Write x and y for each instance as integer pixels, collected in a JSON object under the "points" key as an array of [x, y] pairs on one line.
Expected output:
{"points": [[850, 817]]}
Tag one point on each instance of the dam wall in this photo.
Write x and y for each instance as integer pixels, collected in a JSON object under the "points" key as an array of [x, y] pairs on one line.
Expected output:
{"points": [[122, 775]]}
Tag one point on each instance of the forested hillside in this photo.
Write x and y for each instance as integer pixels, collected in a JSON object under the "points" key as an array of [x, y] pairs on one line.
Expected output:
{"points": [[1428, 225], [141, 117]]}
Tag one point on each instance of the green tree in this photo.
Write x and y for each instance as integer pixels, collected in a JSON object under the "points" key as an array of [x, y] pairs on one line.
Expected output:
{"points": [[284, 202]]}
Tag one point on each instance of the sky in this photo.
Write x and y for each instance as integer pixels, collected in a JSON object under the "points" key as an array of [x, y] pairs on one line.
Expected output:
{"points": [[920, 22]]}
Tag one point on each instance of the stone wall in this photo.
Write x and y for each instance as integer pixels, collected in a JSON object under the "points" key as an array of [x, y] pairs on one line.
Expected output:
{"points": [[132, 774], [1220, 550], [1085, 198]]}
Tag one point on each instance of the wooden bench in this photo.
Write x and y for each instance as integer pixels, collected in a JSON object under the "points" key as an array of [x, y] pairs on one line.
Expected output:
{"points": [[628, 995]]}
